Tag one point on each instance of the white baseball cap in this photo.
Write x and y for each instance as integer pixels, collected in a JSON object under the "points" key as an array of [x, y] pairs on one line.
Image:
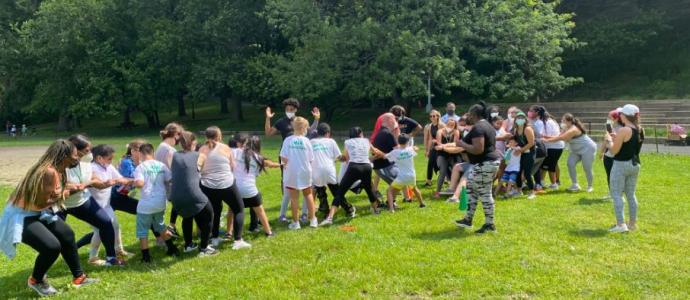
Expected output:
{"points": [[630, 110]]}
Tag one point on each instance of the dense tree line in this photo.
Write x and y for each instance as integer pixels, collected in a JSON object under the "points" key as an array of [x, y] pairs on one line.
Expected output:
{"points": [[70, 60]]}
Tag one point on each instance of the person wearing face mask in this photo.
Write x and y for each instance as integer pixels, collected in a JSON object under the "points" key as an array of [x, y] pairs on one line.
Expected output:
{"points": [[524, 134], [284, 127], [450, 113], [510, 118], [625, 145], [612, 124], [82, 205], [29, 217], [582, 148]]}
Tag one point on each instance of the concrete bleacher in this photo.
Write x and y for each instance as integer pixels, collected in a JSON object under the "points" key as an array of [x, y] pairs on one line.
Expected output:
{"points": [[654, 113]]}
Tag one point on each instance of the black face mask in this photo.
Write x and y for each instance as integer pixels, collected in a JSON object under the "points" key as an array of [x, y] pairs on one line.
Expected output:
{"points": [[74, 164], [450, 112]]}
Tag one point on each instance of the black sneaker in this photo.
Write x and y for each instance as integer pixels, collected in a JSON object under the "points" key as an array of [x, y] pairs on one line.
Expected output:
{"points": [[172, 251], [486, 228], [173, 232], [422, 205], [407, 200], [464, 223]]}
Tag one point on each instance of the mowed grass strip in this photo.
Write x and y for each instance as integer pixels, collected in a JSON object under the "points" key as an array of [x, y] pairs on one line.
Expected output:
{"points": [[556, 246]]}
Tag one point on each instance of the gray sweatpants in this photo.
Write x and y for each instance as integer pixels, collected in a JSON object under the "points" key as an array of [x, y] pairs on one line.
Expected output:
{"points": [[480, 187], [582, 149], [624, 179]]}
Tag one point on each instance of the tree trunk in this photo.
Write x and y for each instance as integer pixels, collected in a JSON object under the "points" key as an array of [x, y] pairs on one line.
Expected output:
{"points": [[150, 120], [63, 121], [158, 119], [127, 118], [224, 95], [181, 111], [237, 114]]}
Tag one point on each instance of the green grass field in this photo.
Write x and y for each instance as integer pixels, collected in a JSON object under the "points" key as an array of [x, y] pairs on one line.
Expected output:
{"points": [[556, 246]]}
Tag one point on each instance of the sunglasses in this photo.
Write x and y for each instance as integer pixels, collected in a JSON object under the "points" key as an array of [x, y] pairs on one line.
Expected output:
{"points": [[433, 116]]}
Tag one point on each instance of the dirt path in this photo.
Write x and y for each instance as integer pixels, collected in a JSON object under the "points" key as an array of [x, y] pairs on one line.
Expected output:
{"points": [[15, 161]]}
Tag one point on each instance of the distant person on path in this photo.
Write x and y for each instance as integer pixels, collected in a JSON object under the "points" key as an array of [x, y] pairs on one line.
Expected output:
{"points": [[430, 142], [24, 130], [29, 218], [13, 131], [450, 113], [8, 128], [284, 127], [625, 146], [582, 148], [480, 146]]}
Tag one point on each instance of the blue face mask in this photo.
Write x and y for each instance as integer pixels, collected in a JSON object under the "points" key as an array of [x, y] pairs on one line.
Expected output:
{"points": [[520, 122]]}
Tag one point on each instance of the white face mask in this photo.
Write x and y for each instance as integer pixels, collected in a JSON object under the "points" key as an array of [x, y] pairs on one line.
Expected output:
{"points": [[494, 114], [520, 122], [87, 158], [563, 126], [609, 122], [290, 115]]}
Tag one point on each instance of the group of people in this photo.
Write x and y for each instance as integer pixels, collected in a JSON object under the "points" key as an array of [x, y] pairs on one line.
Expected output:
{"points": [[470, 153], [12, 131]]}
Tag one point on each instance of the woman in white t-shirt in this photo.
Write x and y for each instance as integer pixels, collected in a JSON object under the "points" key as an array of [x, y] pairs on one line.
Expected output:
{"points": [[103, 169], [249, 163], [550, 129], [298, 154], [326, 152]]}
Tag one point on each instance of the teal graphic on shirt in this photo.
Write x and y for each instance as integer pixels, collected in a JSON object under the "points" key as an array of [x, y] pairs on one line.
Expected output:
{"points": [[297, 144]]}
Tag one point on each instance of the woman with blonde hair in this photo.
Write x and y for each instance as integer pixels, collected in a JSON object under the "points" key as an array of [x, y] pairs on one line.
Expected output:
{"points": [[297, 155], [29, 217], [430, 142]]}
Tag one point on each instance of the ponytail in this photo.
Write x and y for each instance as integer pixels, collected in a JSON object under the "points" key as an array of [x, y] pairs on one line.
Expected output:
{"points": [[213, 135], [252, 150], [570, 118]]}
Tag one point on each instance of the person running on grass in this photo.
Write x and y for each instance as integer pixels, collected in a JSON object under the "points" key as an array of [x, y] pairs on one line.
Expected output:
{"points": [[356, 154], [403, 156], [188, 199], [249, 163], [153, 178], [219, 184], [625, 145], [582, 148], [171, 137], [480, 147], [29, 218], [297, 154]]}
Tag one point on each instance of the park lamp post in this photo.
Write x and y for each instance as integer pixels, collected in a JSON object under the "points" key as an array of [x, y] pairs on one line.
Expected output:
{"points": [[429, 107]]}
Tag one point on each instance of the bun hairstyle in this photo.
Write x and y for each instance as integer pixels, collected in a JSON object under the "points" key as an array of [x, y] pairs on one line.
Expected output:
{"points": [[171, 130], [213, 135], [480, 110], [79, 141], [186, 140], [355, 132], [572, 119]]}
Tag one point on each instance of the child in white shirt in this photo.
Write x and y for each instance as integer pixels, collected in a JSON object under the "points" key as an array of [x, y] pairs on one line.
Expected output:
{"points": [[512, 170], [153, 179], [326, 152], [297, 154], [403, 157]]}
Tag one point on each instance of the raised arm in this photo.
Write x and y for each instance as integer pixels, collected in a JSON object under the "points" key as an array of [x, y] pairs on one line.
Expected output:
{"points": [[268, 129]]}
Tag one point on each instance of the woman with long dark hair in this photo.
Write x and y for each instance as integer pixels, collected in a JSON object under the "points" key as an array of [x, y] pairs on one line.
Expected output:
{"points": [[549, 128], [29, 218], [582, 148], [524, 135]]}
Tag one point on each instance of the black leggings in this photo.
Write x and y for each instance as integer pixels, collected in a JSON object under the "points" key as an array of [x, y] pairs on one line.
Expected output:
{"points": [[51, 240], [92, 213], [354, 172], [231, 196], [204, 221], [250, 203], [431, 165], [526, 165], [608, 165], [321, 192]]}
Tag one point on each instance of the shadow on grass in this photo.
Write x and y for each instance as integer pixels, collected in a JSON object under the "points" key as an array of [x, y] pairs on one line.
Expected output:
{"points": [[445, 234], [592, 201], [589, 233]]}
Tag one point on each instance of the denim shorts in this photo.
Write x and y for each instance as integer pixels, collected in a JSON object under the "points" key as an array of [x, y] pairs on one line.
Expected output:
{"points": [[145, 221], [509, 177], [388, 174]]}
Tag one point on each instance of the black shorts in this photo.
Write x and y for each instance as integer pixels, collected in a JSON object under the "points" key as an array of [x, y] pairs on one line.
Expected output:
{"points": [[253, 201], [551, 160]]}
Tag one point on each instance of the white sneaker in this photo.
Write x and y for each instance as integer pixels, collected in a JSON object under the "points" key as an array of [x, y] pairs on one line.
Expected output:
{"points": [[326, 222], [590, 189], [452, 200], [216, 242], [574, 188], [554, 186], [619, 228], [241, 244], [294, 226], [314, 223], [209, 251], [191, 248], [532, 196], [446, 192]]}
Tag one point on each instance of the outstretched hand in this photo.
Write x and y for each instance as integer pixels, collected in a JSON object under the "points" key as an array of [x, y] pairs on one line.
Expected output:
{"points": [[316, 113], [269, 113]]}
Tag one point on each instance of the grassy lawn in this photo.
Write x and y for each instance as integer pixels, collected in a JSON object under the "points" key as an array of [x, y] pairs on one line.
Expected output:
{"points": [[554, 247]]}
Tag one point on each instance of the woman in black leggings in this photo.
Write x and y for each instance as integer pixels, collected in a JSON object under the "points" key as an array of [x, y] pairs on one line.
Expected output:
{"points": [[524, 134], [430, 131], [30, 218], [356, 153]]}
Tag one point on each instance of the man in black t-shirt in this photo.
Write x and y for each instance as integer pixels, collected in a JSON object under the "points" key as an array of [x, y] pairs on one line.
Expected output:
{"points": [[407, 125], [284, 127]]}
